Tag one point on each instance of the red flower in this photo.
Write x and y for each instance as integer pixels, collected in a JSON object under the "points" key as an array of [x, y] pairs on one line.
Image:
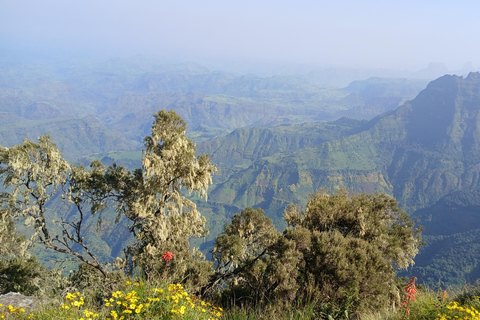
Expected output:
{"points": [[411, 289], [167, 256]]}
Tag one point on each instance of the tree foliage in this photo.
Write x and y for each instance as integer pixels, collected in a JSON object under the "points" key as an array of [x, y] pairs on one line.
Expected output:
{"points": [[33, 174], [11, 244], [342, 252], [21, 275], [150, 199], [240, 253], [19, 272], [163, 219]]}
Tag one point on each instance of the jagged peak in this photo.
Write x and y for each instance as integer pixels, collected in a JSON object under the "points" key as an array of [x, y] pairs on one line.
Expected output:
{"points": [[473, 76], [443, 114]]}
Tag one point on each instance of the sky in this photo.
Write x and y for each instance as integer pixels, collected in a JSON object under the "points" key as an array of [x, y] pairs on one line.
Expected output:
{"points": [[372, 34]]}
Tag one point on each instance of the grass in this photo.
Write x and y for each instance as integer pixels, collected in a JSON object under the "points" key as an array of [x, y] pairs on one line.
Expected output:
{"points": [[136, 300], [453, 303], [142, 300]]}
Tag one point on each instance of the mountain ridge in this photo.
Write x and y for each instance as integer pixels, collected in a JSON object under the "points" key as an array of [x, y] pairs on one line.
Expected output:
{"points": [[401, 145], [424, 153]]}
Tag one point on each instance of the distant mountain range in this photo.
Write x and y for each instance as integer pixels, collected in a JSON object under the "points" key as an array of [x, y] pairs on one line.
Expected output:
{"points": [[276, 139], [426, 153], [119, 97]]}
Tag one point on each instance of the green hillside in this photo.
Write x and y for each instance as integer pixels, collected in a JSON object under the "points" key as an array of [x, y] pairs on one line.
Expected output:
{"points": [[420, 153], [271, 137], [77, 137]]}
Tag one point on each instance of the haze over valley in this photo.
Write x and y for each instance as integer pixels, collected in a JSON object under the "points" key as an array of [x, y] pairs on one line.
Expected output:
{"points": [[286, 99]]}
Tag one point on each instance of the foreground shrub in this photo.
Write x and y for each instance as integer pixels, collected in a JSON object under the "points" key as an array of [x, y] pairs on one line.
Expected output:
{"points": [[20, 275], [340, 255], [94, 284], [10, 311], [469, 309], [164, 303]]}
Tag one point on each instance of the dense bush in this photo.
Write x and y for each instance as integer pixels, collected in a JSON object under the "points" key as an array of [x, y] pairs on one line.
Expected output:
{"points": [[342, 254], [18, 272], [21, 275]]}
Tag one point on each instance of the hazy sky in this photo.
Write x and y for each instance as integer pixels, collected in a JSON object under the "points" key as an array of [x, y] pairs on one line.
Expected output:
{"points": [[390, 34]]}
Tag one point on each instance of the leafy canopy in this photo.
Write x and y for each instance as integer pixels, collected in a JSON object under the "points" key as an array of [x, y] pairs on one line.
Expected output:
{"points": [[343, 252], [150, 199]]}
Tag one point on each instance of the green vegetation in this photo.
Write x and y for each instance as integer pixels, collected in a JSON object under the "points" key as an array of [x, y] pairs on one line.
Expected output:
{"points": [[425, 154], [337, 259], [130, 300], [340, 255], [149, 199], [137, 299]]}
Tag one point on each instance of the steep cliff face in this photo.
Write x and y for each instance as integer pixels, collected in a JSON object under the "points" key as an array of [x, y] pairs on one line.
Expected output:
{"points": [[420, 152], [426, 153], [434, 142]]}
